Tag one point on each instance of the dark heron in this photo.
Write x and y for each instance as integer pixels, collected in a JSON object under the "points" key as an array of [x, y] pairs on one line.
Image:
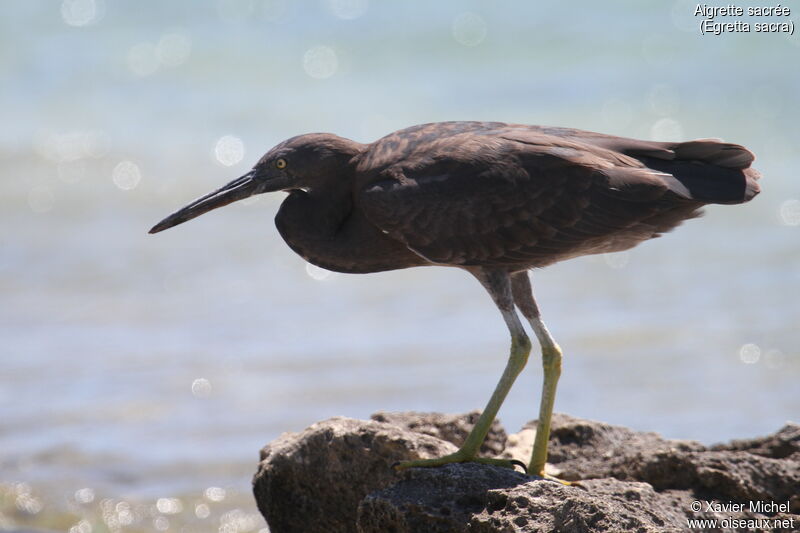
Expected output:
{"points": [[493, 199]]}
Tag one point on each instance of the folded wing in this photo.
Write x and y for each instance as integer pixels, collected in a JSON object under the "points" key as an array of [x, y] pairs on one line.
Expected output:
{"points": [[528, 196]]}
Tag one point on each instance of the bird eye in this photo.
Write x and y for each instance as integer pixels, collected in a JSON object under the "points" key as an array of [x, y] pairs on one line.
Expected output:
{"points": [[280, 163]]}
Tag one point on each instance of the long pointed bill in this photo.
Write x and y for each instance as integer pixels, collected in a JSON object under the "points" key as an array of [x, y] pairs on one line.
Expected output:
{"points": [[238, 189]]}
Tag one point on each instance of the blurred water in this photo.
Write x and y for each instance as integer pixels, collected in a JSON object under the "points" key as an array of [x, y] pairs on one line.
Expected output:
{"points": [[145, 366]]}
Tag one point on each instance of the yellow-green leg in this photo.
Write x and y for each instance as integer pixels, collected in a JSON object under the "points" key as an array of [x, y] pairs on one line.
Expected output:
{"points": [[508, 291], [499, 287], [551, 365]]}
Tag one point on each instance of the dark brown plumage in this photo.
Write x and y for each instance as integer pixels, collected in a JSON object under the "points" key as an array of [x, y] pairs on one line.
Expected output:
{"points": [[495, 199]]}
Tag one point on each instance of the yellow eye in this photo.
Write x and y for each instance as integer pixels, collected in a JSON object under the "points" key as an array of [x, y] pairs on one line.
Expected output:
{"points": [[280, 163]]}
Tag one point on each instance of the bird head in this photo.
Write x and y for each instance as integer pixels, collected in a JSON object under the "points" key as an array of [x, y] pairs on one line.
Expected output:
{"points": [[303, 162]]}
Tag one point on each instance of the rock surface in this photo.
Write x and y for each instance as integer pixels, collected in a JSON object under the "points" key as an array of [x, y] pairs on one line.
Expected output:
{"points": [[336, 476], [452, 428], [314, 481]]}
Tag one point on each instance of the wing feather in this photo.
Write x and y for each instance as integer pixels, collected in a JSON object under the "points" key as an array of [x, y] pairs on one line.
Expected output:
{"points": [[531, 200]]}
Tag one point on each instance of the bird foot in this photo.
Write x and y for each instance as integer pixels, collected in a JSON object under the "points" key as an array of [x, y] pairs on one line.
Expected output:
{"points": [[459, 457]]}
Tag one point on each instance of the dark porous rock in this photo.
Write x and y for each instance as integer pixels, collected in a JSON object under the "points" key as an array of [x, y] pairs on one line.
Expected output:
{"points": [[781, 445], [314, 480], [762, 469], [452, 428], [585, 449], [734, 476], [437, 500], [336, 476], [476, 498]]}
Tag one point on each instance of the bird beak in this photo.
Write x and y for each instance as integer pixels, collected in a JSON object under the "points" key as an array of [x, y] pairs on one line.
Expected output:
{"points": [[238, 189]]}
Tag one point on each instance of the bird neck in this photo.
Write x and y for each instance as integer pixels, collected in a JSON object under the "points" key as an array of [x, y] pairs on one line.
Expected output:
{"points": [[309, 221]]}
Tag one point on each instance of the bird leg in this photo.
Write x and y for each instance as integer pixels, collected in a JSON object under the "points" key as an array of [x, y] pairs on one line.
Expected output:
{"points": [[498, 284], [551, 361]]}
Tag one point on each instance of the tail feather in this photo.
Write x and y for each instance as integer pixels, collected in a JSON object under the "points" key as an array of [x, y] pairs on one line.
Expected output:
{"points": [[713, 171], [715, 153], [708, 170]]}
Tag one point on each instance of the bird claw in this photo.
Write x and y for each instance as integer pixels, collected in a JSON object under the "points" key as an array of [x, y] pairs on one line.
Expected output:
{"points": [[520, 464]]}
